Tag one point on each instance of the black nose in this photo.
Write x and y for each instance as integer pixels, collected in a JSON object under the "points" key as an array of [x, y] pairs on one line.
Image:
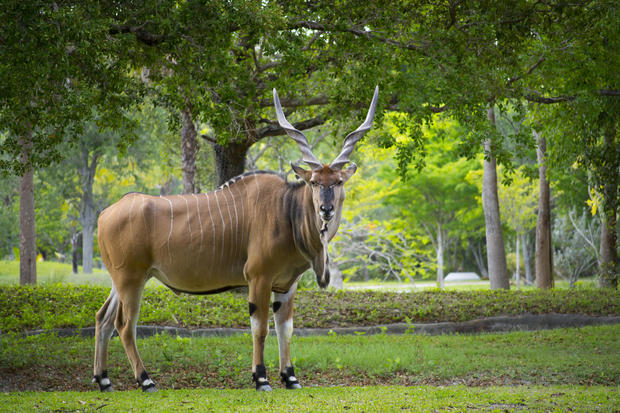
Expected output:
{"points": [[327, 212]]}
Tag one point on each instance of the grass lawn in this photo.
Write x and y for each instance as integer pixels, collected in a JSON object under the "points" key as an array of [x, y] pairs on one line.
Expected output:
{"points": [[419, 285], [339, 399], [584, 356], [50, 272]]}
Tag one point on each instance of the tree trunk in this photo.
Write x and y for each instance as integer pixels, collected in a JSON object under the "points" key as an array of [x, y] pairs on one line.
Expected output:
{"points": [[74, 251], [608, 277], [88, 216], [543, 260], [526, 259], [27, 238], [496, 253], [88, 235], [229, 160], [517, 278], [189, 149], [478, 254], [440, 248]]}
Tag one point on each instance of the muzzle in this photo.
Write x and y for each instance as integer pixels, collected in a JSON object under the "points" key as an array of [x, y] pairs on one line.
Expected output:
{"points": [[327, 212]]}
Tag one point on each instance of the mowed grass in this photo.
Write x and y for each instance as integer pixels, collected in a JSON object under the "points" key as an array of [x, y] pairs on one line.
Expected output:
{"points": [[332, 399], [50, 272], [584, 356]]}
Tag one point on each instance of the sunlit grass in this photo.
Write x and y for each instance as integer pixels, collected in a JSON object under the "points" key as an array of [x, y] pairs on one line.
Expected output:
{"points": [[332, 399], [418, 285], [51, 272]]}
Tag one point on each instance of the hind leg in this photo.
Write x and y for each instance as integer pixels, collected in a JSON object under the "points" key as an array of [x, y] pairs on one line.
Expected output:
{"points": [[129, 296], [104, 327]]}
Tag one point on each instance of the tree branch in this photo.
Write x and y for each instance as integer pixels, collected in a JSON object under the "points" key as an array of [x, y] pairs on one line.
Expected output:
{"points": [[141, 34], [297, 102], [273, 129], [358, 32], [609, 92], [528, 72], [536, 98]]}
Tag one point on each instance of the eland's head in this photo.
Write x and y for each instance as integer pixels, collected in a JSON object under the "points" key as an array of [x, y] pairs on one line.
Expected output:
{"points": [[326, 181]]}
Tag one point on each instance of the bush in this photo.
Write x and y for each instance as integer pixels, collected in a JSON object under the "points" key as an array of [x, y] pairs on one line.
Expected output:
{"points": [[62, 305]]}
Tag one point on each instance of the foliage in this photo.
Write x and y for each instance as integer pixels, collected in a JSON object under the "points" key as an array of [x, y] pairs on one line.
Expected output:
{"points": [[395, 224], [575, 238], [57, 62], [51, 306]]}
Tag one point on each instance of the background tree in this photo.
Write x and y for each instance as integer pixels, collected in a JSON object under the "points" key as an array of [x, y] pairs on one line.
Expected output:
{"points": [[56, 61], [518, 202]]}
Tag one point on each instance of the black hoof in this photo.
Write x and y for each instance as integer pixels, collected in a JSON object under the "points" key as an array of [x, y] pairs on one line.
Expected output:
{"points": [[260, 378], [263, 387], [146, 384], [288, 378], [104, 383], [150, 389]]}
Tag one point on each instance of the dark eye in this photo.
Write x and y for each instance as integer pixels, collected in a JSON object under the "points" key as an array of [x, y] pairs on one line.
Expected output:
{"points": [[314, 183], [339, 182]]}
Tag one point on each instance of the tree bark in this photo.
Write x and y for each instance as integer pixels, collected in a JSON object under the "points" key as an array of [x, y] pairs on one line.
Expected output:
{"points": [[608, 277], [496, 252], [440, 248], [74, 251], [543, 261], [88, 215], [229, 160], [476, 250], [526, 258], [517, 276], [189, 149], [27, 238]]}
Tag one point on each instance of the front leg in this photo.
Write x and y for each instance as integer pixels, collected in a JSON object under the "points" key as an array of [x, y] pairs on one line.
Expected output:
{"points": [[260, 290], [283, 317]]}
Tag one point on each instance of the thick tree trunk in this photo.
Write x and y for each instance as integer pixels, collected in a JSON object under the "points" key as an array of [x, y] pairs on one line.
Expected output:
{"points": [[88, 216], [608, 277], [496, 252], [189, 149], [27, 238], [229, 160], [88, 235], [543, 261]]}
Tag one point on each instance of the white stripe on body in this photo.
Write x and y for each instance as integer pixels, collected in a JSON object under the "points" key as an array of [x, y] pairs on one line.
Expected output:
{"points": [[199, 220], [143, 216], [171, 226], [236, 223], [230, 220], [189, 224], [223, 225], [243, 199], [212, 224]]}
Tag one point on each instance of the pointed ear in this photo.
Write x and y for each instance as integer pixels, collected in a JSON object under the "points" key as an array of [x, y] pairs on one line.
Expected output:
{"points": [[348, 173], [301, 172]]}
